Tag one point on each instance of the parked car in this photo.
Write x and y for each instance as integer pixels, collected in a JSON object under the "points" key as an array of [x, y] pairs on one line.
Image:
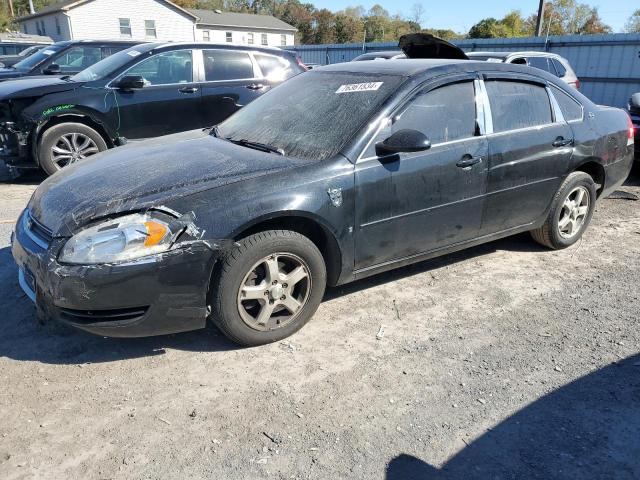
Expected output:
{"points": [[549, 62], [10, 60], [343, 172], [149, 90], [634, 112], [64, 58], [388, 55]]}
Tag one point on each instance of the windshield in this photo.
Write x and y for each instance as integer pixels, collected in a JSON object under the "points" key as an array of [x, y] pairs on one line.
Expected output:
{"points": [[37, 58], [312, 115], [107, 66], [29, 51]]}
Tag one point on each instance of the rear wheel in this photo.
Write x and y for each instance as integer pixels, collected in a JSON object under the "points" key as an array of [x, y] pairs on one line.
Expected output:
{"points": [[68, 143], [570, 212], [268, 287]]}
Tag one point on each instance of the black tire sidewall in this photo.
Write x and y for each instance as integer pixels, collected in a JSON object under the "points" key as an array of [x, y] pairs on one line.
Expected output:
{"points": [[51, 135], [581, 179], [226, 314]]}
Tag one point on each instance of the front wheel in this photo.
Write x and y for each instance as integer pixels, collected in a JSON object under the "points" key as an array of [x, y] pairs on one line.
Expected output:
{"points": [[570, 213], [68, 143], [268, 287]]}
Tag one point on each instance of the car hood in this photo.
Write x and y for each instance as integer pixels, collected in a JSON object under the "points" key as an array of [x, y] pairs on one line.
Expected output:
{"points": [[424, 45], [35, 86], [144, 175]]}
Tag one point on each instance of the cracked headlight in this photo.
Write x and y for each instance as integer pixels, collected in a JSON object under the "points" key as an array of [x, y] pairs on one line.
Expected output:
{"points": [[121, 239]]}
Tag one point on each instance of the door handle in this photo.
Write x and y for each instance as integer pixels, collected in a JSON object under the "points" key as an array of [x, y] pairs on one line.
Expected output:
{"points": [[468, 162], [255, 86], [562, 142], [188, 90]]}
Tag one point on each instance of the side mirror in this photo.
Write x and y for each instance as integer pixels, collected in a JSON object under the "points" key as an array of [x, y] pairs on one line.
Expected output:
{"points": [[53, 69], [130, 82], [403, 141]]}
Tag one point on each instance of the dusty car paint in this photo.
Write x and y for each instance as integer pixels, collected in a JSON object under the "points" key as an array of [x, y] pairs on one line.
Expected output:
{"points": [[221, 191]]}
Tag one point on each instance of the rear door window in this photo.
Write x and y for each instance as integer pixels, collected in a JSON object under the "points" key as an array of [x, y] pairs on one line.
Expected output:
{"points": [[517, 105], [227, 65], [542, 63]]}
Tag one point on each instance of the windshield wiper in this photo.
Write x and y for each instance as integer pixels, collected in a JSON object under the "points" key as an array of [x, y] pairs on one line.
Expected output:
{"points": [[256, 145]]}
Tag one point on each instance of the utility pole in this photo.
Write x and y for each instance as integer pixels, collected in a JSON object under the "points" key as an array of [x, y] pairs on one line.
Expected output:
{"points": [[31, 9], [11, 8], [540, 20]]}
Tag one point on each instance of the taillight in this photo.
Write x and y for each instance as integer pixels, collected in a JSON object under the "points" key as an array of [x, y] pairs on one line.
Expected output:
{"points": [[577, 83], [631, 131], [299, 62]]}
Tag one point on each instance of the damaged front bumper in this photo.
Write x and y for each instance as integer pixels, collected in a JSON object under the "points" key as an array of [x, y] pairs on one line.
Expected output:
{"points": [[15, 147], [154, 295]]}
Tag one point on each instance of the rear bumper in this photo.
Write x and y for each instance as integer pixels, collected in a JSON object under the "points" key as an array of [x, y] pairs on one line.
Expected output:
{"points": [[157, 295], [616, 173]]}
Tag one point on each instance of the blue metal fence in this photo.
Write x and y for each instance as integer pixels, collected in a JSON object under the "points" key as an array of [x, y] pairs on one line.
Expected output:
{"points": [[608, 65]]}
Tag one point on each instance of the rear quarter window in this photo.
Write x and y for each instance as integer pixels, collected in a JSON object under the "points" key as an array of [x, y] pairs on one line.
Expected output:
{"points": [[571, 109], [516, 105], [560, 70], [274, 67]]}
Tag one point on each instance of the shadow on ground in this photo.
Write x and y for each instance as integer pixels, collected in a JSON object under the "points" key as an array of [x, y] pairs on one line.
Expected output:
{"points": [[588, 429]]}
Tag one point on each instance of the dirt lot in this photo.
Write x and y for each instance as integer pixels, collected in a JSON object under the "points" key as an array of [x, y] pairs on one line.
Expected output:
{"points": [[504, 361]]}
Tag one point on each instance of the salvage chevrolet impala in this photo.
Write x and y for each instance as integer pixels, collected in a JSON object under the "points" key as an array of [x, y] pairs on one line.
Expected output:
{"points": [[340, 173]]}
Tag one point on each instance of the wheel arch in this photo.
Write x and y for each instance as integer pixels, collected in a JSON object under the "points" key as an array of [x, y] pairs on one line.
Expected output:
{"points": [[69, 118], [594, 168], [305, 224]]}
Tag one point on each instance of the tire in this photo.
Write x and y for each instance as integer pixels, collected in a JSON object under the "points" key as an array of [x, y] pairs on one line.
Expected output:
{"points": [[243, 286], [55, 137], [554, 233]]}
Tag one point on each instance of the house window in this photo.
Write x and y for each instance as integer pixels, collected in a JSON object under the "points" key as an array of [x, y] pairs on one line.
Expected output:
{"points": [[150, 28], [250, 38], [283, 40], [229, 36], [264, 39], [58, 29], [125, 27], [206, 36]]}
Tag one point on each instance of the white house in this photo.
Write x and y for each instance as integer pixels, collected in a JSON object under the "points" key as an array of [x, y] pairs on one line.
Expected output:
{"points": [[153, 20]]}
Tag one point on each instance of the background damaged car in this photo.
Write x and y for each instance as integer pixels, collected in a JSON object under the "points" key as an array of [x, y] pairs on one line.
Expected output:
{"points": [[146, 91], [352, 170]]}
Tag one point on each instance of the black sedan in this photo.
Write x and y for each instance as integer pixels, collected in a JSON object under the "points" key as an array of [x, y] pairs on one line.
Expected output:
{"points": [[146, 91], [340, 173]]}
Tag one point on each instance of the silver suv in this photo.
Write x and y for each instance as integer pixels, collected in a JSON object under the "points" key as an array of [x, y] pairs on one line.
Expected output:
{"points": [[550, 62]]}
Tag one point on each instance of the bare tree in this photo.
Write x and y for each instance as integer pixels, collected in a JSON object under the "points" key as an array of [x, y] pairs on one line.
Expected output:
{"points": [[417, 12]]}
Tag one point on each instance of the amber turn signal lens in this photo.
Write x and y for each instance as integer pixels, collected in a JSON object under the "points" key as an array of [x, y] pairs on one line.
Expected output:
{"points": [[155, 233]]}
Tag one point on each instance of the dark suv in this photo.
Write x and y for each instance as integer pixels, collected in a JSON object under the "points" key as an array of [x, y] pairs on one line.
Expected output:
{"points": [[64, 58], [146, 91]]}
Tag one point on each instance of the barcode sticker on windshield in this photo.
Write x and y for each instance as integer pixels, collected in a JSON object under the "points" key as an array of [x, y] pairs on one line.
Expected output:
{"points": [[48, 52], [359, 87], [133, 53]]}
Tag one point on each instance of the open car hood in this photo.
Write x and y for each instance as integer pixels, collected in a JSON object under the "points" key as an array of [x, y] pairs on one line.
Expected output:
{"points": [[424, 45]]}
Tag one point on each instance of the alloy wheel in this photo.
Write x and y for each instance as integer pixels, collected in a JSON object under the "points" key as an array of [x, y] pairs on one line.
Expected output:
{"points": [[274, 291], [574, 212], [71, 148]]}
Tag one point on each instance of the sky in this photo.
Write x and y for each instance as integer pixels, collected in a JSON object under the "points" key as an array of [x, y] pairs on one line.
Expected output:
{"points": [[461, 15]]}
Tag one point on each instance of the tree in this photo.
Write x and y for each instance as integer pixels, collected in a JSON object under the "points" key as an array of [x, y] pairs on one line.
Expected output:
{"points": [[417, 12], [487, 28], [633, 24]]}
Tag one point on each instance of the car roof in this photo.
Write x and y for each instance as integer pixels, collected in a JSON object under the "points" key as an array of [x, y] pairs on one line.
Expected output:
{"points": [[382, 54], [92, 42], [223, 46], [400, 66], [422, 68]]}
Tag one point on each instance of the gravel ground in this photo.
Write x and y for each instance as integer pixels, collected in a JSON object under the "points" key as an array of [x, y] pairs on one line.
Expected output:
{"points": [[504, 361]]}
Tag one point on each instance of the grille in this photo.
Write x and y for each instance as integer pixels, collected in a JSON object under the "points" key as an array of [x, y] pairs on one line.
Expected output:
{"points": [[86, 317], [38, 232]]}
